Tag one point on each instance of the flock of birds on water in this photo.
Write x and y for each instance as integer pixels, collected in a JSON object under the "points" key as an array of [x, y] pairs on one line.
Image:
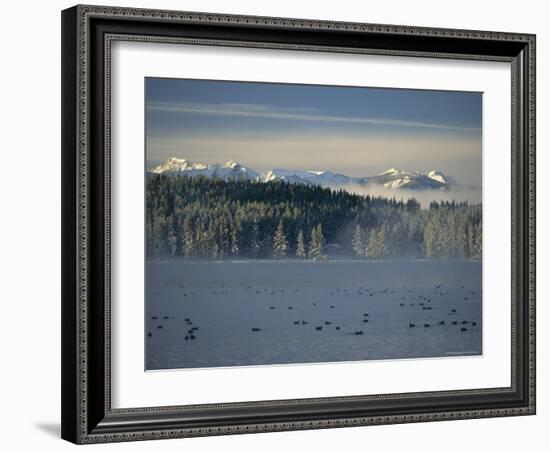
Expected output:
{"points": [[408, 298]]}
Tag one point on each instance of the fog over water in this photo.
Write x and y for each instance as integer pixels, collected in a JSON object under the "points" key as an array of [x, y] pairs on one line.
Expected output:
{"points": [[244, 313]]}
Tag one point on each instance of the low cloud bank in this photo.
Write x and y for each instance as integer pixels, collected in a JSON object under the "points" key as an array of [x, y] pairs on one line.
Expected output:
{"points": [[458, 193]]}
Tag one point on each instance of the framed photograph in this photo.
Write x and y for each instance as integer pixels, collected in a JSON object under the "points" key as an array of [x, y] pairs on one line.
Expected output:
{"points": [[278, 224]]}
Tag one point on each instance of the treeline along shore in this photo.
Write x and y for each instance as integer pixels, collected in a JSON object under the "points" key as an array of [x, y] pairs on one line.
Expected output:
{"points": [[209, 218]]}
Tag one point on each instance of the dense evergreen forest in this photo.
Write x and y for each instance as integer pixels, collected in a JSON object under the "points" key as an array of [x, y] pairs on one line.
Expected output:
{"points": [[207, 218]]}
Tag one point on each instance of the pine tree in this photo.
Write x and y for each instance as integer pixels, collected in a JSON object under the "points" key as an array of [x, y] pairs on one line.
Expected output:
{"points": [[160, 233], [300, 246], [280, 244], [371, 249], [235, 236], [478, 233], [357, 241], [187, 240], [255, 239], [382, 243], [316, 244], [377, 246], [211, 241], [431, 237], [172, 243], [215, 251], [320, 241]]}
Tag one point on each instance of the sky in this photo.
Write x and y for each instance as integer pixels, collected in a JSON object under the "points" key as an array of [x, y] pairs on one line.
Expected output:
{"points": [[357, 131]]}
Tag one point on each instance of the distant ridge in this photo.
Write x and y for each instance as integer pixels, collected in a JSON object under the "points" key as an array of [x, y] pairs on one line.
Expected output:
{"points": [[392, 179], [227, 171]]}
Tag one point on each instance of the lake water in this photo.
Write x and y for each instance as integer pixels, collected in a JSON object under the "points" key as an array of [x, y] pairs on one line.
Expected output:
{"points": [[276, 312]]}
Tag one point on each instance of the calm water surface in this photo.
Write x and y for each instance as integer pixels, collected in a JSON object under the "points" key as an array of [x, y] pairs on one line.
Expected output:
{"points": [[365, 311]]}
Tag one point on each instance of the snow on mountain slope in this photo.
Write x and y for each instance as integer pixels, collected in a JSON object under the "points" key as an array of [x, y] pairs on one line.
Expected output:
{"points": [[230, 170], [175, 165], [391, 179], [324, 178], [401, 179]]}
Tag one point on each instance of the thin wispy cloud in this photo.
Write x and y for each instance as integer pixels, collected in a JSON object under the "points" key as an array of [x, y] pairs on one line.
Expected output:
{"points": [[301, 114]]}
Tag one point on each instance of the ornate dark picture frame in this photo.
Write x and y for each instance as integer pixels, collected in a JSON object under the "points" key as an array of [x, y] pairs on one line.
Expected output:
{"points": [[87, 34]]}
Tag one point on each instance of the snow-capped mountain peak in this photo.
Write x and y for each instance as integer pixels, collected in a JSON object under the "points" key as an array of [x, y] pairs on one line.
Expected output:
{"points": [[438, 176], [391, 171], [389, 179], [230, 170], [178, 165], [231, 164]]}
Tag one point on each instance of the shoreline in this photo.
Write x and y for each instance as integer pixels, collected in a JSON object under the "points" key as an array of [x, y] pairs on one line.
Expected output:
{"points": [[303, 261]]}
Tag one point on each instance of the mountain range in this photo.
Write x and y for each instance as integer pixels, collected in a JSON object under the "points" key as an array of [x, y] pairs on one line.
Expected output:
{"points": [[392, 179]]}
